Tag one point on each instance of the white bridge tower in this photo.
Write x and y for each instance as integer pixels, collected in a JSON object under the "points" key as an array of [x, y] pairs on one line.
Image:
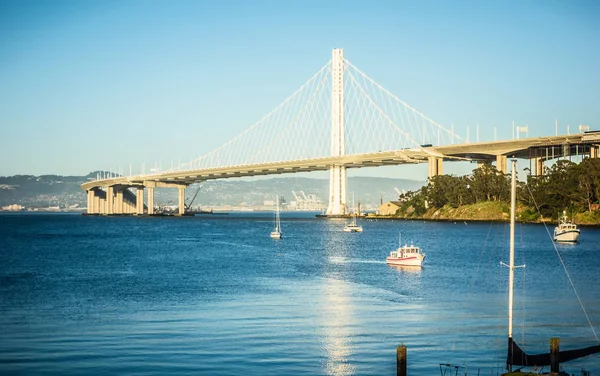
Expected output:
{"points": [[337, 174]]}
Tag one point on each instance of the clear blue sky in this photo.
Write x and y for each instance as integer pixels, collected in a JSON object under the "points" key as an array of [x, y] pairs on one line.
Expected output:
{"points": [[88, 85]]}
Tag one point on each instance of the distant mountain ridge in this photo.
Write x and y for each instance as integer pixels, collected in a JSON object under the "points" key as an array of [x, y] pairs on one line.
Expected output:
{"points": [[43, 191], [65, 191]]}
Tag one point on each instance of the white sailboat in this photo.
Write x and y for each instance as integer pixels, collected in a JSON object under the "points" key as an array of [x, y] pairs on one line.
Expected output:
{"points": [[353, 226], [276, 233]]}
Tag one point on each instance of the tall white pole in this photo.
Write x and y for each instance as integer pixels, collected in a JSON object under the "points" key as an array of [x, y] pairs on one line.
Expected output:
{"points": [[513, 130], [511, 263], [337, 174]]}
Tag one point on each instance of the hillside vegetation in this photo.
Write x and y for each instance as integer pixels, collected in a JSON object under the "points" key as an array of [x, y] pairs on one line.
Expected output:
{"points": [[485, 195]]}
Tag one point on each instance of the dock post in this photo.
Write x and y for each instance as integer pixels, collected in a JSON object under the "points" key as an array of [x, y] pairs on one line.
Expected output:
{"points": [[554, 358], [401, 360]]}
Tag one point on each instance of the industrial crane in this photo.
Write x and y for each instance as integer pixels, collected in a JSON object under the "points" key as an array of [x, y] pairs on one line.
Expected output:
{"points": [[188, 207]]}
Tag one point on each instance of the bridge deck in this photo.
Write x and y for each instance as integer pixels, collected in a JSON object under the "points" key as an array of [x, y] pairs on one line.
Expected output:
{"points": [[480, 151]]}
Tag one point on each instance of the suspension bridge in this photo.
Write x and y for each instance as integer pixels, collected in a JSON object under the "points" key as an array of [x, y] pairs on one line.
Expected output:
{"points": [[339, 119]]}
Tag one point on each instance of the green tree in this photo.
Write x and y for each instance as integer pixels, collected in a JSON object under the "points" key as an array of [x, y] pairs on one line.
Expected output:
{"points": [[416, 200], [489, 184], [588, 172], [439, 190], [562, 187]]}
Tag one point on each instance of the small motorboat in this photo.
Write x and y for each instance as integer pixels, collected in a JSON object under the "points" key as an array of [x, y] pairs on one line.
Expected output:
{"points": [[407, 255], [566, 231]]}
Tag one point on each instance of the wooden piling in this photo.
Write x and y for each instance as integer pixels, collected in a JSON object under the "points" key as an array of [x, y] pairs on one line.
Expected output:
{"points": [[401, 360], [554, 356]]}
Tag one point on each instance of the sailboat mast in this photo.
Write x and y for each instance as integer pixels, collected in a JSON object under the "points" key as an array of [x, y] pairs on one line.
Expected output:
{"points": [[277, 214], [511, 266], [353, 211]]}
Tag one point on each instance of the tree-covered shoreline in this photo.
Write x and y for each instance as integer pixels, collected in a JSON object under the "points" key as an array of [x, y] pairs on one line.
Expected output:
{"points": [[565, 186]]}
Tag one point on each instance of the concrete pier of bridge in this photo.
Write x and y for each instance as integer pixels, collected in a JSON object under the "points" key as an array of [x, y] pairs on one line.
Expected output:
{"points": [[117, 199], [435, 166]]}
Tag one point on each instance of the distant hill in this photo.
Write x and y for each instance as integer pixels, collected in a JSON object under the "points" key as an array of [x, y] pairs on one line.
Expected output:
{"points": [[65, 191], [43, 191]]}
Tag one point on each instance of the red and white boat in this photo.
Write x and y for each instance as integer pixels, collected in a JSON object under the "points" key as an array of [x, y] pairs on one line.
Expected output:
{"points": [[407, 255]]}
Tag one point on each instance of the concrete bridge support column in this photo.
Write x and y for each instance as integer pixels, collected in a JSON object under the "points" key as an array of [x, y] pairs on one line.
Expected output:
{"points": [[110, 200], [337, 174], [538, 166], [139, 207], [150, 200], [90, 201], [435, 166], [127, 204], [97, 203], [181, 200], [337, 191], [103, 205], [119, 202], [501, 163]]}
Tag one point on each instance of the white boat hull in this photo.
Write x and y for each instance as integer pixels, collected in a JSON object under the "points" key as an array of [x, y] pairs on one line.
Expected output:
{"points": [[353, 229], [567, 236], [276, 235], [416, 260]]}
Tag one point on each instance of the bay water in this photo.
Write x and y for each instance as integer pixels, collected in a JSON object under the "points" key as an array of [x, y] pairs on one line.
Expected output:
{"points": [[215, 295]]}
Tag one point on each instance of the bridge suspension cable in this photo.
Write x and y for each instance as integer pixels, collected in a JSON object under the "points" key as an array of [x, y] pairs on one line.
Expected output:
{"points": [[296, 129], [300, 127], [387, 122]]}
